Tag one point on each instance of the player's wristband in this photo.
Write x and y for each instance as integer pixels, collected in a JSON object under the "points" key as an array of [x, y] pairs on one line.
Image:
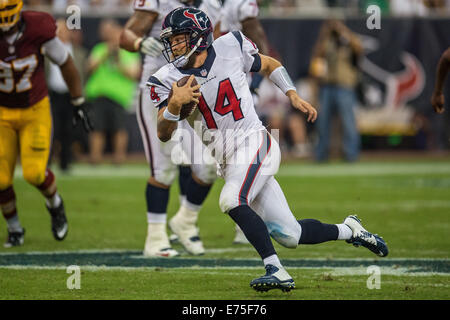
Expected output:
{"points": [[282, 80], [170, 116], [77, 101]]}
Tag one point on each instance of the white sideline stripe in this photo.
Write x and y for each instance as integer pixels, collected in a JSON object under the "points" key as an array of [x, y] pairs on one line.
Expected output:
{"points": [[72, 252], [81, 171], [132, 252], [337, 271]]}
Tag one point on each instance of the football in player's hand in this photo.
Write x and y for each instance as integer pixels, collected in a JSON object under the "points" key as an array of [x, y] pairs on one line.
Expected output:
{"points": [[188, 108]]}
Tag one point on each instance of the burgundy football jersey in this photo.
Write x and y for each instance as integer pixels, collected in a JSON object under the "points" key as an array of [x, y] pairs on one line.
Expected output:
{"points": [[22, 76]]}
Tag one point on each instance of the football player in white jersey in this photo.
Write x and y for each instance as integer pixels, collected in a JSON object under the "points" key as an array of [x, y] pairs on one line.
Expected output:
{"points": [[248, 156], [243, 15], [141, 33]]}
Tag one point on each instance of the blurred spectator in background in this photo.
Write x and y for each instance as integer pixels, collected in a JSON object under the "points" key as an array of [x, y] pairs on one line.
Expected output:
{"points": [[416, 7], [275, 111], [111, 87], [31, 4], [60, 97], [60, 6], [117, 6], [334, 65], [80, 143], [92, 6], [437, 99]]}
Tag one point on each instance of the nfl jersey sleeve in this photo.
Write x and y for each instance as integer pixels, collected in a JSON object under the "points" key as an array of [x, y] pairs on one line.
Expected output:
{"points": [[249, 52], [235, 11], [212, 9], [56, 51], [160, 85], [146, 5], [47, 27], [246, 9]]}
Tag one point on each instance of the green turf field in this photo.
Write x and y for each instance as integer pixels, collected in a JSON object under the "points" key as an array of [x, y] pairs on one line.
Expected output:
{"points": [[406, 202]]}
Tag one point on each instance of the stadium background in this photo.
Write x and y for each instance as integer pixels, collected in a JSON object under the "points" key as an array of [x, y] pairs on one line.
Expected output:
{"points": [[410, 41]]}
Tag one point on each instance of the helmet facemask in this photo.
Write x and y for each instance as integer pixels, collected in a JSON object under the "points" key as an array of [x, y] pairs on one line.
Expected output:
{"points": [[9, 14], [173, 54]]}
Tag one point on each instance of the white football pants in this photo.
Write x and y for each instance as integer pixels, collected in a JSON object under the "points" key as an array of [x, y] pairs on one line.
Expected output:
{"points": [[249, 180]]}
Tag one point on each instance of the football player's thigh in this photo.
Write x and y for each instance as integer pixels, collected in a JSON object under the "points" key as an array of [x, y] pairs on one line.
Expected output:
{"points": [[197, 155], [35, 141], [8, 153], [246, 173], [263, 168], [158, 153], [271, 205]]}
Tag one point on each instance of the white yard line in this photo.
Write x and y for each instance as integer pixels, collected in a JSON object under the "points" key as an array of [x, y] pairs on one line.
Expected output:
{"points": [[82, 171], [133, 253]]}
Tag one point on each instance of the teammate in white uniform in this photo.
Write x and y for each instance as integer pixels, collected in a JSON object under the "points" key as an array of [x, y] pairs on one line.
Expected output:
{"points": [[248, 155], [142, 34], [242, 15]]}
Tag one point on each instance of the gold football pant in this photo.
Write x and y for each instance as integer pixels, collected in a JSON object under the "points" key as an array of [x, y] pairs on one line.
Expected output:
{"points": [[27, 132]]}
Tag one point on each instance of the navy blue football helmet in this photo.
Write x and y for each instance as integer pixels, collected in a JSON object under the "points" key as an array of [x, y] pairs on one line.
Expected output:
{"points": [[192, 22]]}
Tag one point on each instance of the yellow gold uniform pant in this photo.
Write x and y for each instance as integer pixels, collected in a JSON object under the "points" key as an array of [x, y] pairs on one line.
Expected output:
{"points": [[27, 132]]}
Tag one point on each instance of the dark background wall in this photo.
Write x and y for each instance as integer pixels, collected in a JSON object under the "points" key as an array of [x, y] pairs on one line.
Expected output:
{"points": [[293, 40]]}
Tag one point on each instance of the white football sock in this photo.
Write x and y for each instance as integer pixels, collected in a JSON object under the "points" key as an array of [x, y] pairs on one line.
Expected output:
{"points": [[188, 213], [273, 260], [345, 233], [14, 224], [190, 206], [156, 217]]}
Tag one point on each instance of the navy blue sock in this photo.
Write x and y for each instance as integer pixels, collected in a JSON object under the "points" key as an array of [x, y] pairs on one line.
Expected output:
{"points": [[184, 177], [314, 231], [254, 228], [157, 199], [196, 193]]}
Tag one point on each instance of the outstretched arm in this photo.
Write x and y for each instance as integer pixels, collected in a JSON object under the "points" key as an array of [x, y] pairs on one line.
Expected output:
{"points": [[136, 28], [274, 70], [253, 29], [73, 81], [437, 99], [55, 50], [72, 78], [133, 37]]}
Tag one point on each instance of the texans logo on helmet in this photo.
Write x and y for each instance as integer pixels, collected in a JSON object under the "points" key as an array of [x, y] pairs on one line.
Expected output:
{"points": [[193, 17]]}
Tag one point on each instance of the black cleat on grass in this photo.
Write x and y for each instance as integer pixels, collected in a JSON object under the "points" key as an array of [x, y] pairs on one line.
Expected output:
{"points": [[14, 239], [59, 222]]}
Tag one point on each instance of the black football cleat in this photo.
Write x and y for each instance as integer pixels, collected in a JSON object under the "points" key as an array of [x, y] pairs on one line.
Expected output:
{"points": [[15, 239], [59, 222]]}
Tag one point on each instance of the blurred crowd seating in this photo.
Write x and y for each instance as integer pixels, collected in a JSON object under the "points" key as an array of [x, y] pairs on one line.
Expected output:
{"points": [[271, 7]]}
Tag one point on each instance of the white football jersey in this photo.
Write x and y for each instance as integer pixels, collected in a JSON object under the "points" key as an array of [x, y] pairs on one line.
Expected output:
{"points": [[163, 7], [235, 11], [226, 104]]}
